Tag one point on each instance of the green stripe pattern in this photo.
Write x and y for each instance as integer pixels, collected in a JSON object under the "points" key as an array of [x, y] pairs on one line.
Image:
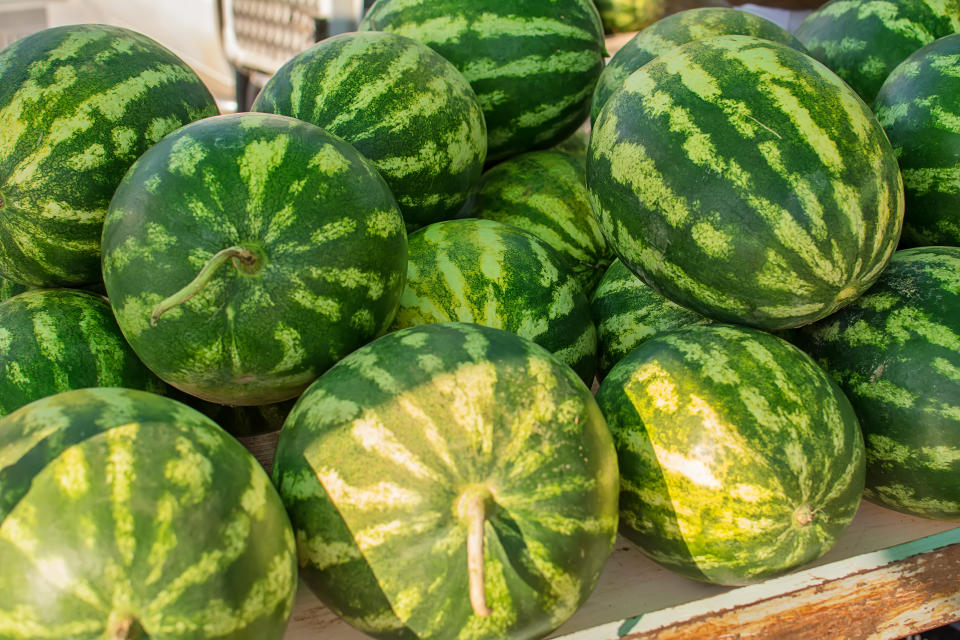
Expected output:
{"points": [[500, 276], [629, 15], [401, 105], [744, 180], [54, 340], [919, 108], [677, 29], [126, 510], [740, 459], [9, 288], [533, 65], [862, 41], [545, 193], [627, 313], [78, 104], [896, 354], [377, 454], [328, 241]]}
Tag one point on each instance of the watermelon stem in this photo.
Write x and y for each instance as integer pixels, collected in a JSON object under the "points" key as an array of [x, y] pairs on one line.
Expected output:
{"points": [[473, 511], [126, 628], [242, 257]]}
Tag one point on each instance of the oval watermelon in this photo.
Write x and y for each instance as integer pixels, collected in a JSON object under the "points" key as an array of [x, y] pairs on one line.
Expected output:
{"points": [[78, 104], [401, 105], [740, 459], [744, 180], [450, 481], [134, 516], [9, 288], [629, 15], [245, 254]]}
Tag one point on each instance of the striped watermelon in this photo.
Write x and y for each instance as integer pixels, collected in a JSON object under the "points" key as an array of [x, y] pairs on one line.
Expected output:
{"points": [[545, 192], [9, 288], [629, 15], [919, 108], [739, 458], [245, 254], [896, 354], [533, 64], [500, 276], [78, 104], [54, 340], [744, 180], [863, 40], [127, 515], [402, 105], [628, 312], [577, 143], [450, 481], [675, 30]]}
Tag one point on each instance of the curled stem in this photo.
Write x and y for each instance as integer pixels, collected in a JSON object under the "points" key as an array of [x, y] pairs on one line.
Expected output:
{"points": [[473, 507]]}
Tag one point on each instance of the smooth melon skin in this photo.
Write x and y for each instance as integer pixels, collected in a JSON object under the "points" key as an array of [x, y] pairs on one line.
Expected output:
{"points": [[129, 515], [895, 352], [919, 108], [296, 240], [382, 455], [78, 105], [744, 180], [740, 459]]}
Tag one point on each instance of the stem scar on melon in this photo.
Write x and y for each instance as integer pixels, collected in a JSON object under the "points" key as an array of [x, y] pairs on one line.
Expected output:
{"points": [[472, 511], [125, 628], [243, 259]]}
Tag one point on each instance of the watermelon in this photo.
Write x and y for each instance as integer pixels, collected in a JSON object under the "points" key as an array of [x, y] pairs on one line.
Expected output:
{"points": [[9, 288], [919, 108], [744, 180], [500, 276], [545, 192], [862, 41], [78, 104], [245, 254], [54, 340], [401, 105], [450, 481], [896, 354], [675, 30], [125, 515], [740, 459], [627, 313], [533, 65], [629, 15], [577, 143]]}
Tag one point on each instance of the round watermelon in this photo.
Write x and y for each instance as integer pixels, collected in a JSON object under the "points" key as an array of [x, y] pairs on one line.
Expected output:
{"points": [[545, 193], [500, 276], [245, 254], [54, 340], [126, 515], [862, 41], [740, 459], [533, 64], [675, 30], [919, 108], [448, 481], [744, 180], [78, 104], [629, 15], [401, 105], [896, 354]]}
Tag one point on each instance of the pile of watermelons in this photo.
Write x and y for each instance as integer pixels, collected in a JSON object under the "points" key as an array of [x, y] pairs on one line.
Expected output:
{"points": [[413, 257]]}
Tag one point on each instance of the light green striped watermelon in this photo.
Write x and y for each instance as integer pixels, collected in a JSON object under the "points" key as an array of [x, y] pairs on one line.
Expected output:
{"points": [[127, 515], [9, 288], [545, 193], [919, 108], [54, 340], [499, 276], [740, 459], [677, 29], [245, 254], [744, 180], [450, 482], [532, 64], [78, 104], [862, 41], [627, 313], [629, 15], [896, 354], [401, 105]]}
